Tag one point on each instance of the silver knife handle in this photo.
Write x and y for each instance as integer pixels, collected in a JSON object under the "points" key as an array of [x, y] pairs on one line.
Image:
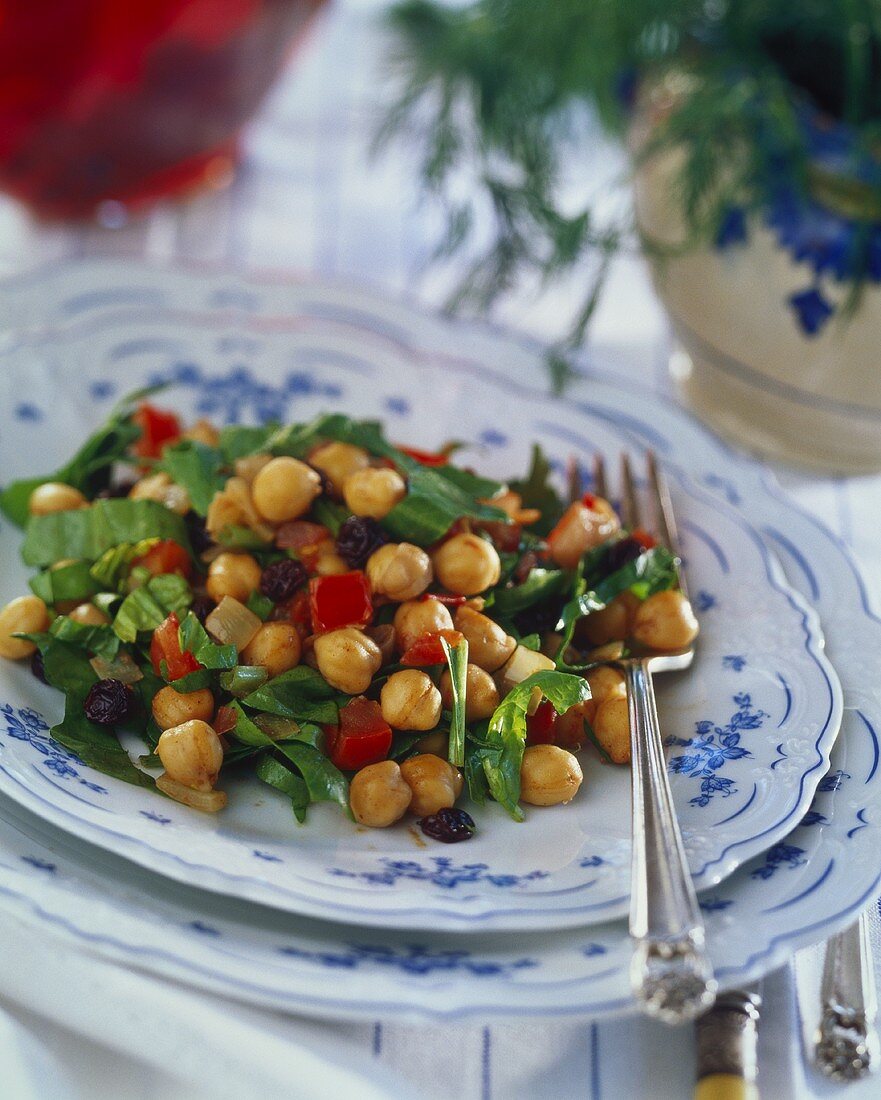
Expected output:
{"points": [[847, 1042], [670, 971]]}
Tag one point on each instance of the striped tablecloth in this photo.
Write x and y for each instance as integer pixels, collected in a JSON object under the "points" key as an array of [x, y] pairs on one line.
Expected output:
{"points": [[309, 198]]}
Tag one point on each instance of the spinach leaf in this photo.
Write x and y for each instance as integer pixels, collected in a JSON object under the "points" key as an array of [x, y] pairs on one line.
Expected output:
{"points": [[233, 537], [89, 532], [196, 467], [243, 679], [261, 605], [475, 776], [65, 665], [97, 640], [239, 440], [330, 514], [300, 693], [193, 638], [65, 582], [112, 568], [275, 773], [95, 745], [502, 754], [537, 491], [147, 607], [457, 661], [541, 585]]}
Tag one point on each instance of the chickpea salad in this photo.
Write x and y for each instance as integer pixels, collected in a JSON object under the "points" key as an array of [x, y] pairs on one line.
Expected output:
{"points": [[349, 620]]}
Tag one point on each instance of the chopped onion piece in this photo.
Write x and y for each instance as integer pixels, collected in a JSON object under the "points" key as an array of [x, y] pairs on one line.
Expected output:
{"points": [[231, 623], [208, 801], [122, 668]]}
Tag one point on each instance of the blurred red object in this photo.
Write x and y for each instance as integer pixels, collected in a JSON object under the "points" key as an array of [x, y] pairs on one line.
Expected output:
{"points": [[129, 100]]}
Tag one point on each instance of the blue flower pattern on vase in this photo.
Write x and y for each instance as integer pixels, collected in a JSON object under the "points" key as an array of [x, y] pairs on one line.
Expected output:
{"points": [[412, 959], [781, 855], [25, 724], [713, 747], [445, 873]]}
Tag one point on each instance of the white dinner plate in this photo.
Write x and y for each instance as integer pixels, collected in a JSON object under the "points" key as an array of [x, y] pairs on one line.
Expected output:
{"points": [[751, 725]]}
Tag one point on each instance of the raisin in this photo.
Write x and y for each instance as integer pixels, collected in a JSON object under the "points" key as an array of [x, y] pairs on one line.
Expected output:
{"points": [[621, 553], [358, 538], [201, 607], [449, 826], [200, 540], [280, 581], [38, 668], [108, 702]]}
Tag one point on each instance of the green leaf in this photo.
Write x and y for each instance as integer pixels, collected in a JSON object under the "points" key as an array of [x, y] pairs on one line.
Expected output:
{"points": [[96, 746], [90, 532], [275, 773], [457, 662], [537, 491], [330, 514], [65, 665], [65, 582], [147, 607], [243, 679], [97, 640], [300, 693], [194, 639], [196, 467], [506, 734], [239, 440], [261, 605], [234, 537], [540, 586], [112, 568]]}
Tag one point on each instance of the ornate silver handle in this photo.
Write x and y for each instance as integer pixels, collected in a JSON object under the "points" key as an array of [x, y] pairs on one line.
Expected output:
{"points": [[670, 972], [847, 1041]]}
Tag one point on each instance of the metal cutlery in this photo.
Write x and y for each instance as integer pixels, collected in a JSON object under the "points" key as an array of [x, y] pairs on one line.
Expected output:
{"points": [[846, 1045]]}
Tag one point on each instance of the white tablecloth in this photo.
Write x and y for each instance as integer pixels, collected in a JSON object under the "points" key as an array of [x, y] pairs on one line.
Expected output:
{"points": [[309, 198]]}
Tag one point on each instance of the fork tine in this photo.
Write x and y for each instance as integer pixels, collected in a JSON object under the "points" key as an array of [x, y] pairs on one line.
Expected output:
{"points": [[599, 477], [574, 483], [665, 517], [629, 502]]}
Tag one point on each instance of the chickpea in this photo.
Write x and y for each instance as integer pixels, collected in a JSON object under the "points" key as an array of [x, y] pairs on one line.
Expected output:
{"points": [[88, 615], [330, 563], [580, 529], [467, 564], [399, 570], [417, 617], [235, 575], [378, 795], [275, 646], [347, 659], [373, 492], [55, 496], [337, 461], [611, 623], [284, 489], [191, 754], [203, 431], [665, 621], [162, 489], [172, 707], [488, 644], [549, 775], [481, 693], [25, 615], [249, 467], [410, 701], [435, 784], [611, 727], [604, 683]]}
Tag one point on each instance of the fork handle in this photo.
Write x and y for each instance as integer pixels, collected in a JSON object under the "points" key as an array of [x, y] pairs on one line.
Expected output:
{"points": [[670, 971]]}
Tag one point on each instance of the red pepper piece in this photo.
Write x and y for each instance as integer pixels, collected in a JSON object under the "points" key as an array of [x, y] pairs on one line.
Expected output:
{"points": [[166, 556], [541, 726], [340, 600], [427, 458], [645, 540], [362, 737], [444, 598], [165, 646], [158, 428], [428, 650]]}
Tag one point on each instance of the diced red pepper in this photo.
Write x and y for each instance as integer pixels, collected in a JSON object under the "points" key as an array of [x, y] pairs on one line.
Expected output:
{"points": [[362, 737], [428, 650], [342, 599], [158, 428], [166, 556], [645, 540], [427, 458], [165, 646], [295, 611], [541, 726], [444, 598]]}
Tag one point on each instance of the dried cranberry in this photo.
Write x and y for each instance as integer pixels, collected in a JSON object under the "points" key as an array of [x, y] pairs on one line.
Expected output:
{"points": [[280, 581], [200, 540], [449, 826], [38, 668], [359, 537], [108, 702], [621, 553], [201, 607]]}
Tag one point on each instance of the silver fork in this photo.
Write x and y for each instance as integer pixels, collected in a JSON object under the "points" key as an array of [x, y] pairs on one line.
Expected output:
{"points": [[670, 971]]}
